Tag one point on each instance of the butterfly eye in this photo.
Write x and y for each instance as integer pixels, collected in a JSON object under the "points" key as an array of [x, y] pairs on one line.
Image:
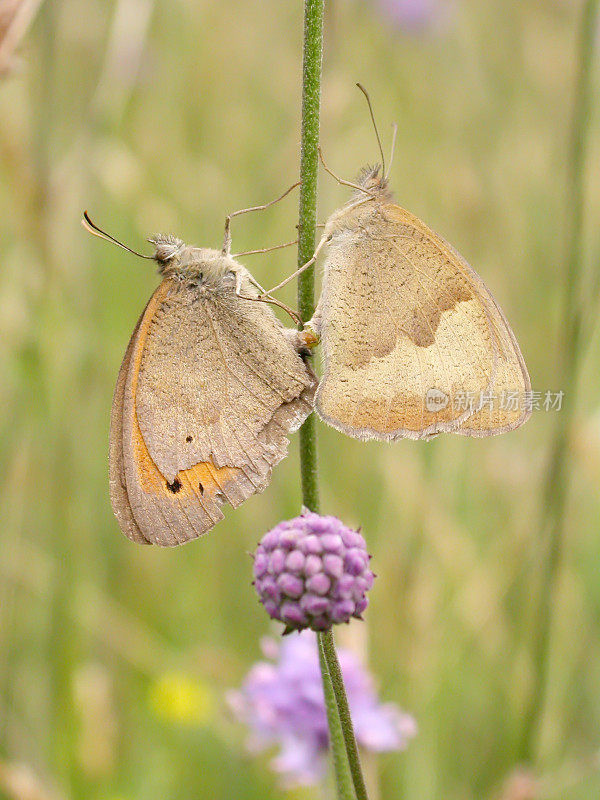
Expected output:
{"points": [[230, 274]]}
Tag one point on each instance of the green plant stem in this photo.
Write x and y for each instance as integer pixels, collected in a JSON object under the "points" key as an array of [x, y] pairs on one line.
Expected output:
{"points": [[553, 520], [335, 673], [307, 217], [343, 778], [343, 744]]}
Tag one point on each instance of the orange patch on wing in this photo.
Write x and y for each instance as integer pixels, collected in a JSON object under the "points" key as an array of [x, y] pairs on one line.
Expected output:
{"points": [[203, 479]]}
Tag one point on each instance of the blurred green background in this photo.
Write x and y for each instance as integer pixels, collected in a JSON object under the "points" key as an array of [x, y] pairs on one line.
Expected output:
{"points": [[164, 116]]}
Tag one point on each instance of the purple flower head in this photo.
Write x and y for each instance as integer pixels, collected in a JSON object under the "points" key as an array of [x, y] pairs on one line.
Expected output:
{"points": [[282, 704], [312, 572], [413, 16]]}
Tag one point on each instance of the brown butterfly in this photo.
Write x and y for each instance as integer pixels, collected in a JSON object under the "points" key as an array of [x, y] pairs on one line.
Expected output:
{"points": [[414, 343], [210, 386]]}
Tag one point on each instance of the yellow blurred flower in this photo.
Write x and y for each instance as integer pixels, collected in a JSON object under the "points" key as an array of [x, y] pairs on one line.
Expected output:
{"points": [[176, 697]]}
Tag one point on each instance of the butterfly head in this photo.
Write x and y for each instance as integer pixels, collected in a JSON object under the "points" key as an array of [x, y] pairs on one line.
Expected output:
{"points": [[181, 261], [168, 250], [372, 180], [371, 189]]}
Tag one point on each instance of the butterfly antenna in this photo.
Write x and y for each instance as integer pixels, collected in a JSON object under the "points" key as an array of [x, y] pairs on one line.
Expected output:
{"points": [[392, 150], [92, 228], [366, 94]]}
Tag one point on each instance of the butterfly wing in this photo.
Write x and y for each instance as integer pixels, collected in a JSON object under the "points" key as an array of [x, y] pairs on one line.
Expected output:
{"points": [[191, 440], [116, 467], [412, 339]]}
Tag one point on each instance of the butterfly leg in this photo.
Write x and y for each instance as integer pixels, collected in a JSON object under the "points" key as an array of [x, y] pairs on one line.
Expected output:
{"points": [[341, 180], [264, 297], [324, 239], [227, 237], [266, 249]]}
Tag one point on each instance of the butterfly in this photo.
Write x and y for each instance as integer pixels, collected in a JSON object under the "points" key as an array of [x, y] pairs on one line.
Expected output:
{"points": [[414, 343], [209, 388]]}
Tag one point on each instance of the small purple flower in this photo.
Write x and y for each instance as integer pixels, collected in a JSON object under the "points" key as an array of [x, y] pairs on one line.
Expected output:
{"points": [[413, 16], [312, 572], [282, 704]]}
